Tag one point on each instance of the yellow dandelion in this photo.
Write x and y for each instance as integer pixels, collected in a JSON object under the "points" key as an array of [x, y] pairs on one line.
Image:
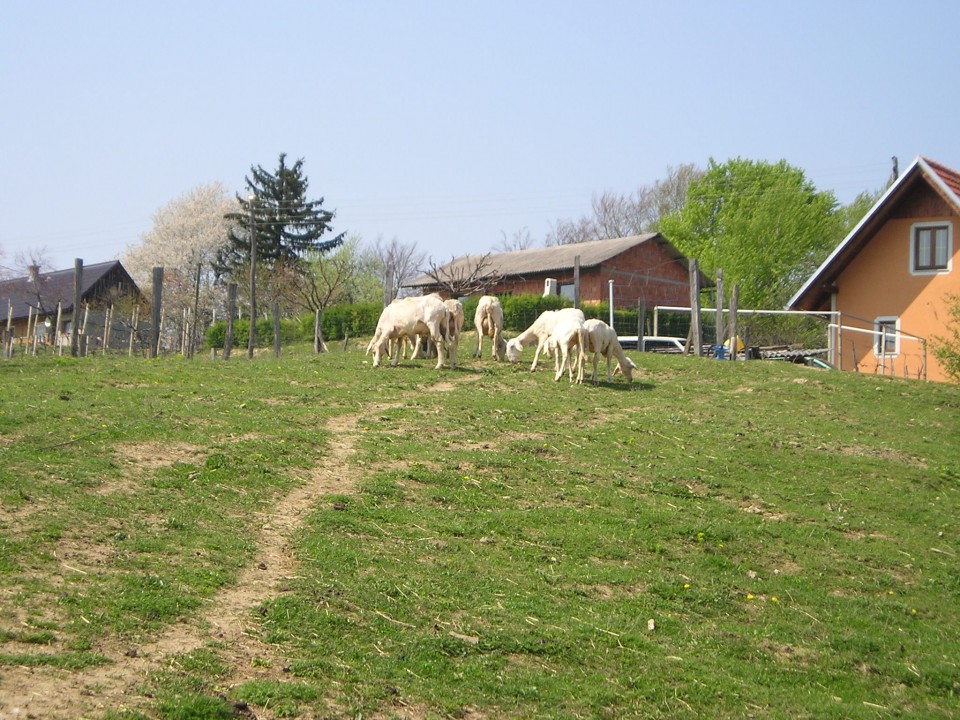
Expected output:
{"points": [[749, 596], [774, 599]]}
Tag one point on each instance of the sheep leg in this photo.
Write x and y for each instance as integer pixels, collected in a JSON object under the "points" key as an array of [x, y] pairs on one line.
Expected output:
{"points": [[536, 356], [559, 364]]}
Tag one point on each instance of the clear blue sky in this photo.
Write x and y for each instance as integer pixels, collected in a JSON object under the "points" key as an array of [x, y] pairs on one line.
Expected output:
{"points": [[448, 123]]}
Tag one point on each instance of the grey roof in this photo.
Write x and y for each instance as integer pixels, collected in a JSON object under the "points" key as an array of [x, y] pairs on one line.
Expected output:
{"points": [[55, 287], [551, 259]]}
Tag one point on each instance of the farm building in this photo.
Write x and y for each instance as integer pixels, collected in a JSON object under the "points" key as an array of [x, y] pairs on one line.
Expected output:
{"points": [[35, 300], [890, 279], [645, 270]]}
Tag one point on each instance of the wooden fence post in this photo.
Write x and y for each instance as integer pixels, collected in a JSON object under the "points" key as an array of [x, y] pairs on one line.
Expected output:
{"points": [[276, 329], [77, 287], [576, 281], [8, 333], [720, 337], [231, 313], [696, 330], [732, 334], [133, 329], [84, 341], [157, 318]]}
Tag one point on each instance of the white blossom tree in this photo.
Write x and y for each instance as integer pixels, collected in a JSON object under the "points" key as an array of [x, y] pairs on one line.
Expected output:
{"points": [[187, 234]]}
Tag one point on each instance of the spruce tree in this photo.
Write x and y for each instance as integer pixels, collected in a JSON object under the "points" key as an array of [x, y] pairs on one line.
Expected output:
{"points": [[289, 227]]}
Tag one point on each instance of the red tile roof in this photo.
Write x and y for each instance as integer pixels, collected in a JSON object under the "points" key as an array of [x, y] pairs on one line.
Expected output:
{"points": [[951, 178]]}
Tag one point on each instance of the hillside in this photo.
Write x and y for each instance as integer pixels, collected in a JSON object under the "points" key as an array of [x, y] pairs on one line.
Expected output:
{"points": [[311, 537]]}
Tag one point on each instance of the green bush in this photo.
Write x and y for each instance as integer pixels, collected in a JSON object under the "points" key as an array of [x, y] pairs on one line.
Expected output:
{"points": [[346, 320], [519, 311], [290, 332], [947, 349]]}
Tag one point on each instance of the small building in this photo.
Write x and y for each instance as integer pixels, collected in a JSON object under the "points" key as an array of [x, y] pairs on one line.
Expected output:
{"points": [[36, 300], [645, 269], [889, 281]]}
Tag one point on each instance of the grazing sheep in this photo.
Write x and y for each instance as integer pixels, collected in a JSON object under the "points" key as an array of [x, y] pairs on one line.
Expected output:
{"points": [[488, 320], [601, 339], [407, 319], [539, 333]]}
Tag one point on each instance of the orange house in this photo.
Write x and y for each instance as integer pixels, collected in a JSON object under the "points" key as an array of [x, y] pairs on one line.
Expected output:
{"points": [[888, 283]]}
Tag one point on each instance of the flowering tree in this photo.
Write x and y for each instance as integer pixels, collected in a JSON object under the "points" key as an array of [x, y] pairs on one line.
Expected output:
{"points": [[187, 235]]}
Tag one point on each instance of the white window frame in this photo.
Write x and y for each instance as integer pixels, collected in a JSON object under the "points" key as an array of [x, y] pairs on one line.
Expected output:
{"points": [[913, 248], [888, 321]]}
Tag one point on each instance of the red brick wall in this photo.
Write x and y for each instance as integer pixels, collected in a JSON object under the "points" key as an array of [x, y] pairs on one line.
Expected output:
{"points": [[644, 274]]}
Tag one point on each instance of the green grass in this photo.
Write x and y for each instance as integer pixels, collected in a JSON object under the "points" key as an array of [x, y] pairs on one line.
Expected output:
{"points": [[716, 540]]}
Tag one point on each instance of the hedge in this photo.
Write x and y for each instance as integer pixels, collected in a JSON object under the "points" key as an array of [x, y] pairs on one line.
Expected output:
{"points": [[360, 319]]}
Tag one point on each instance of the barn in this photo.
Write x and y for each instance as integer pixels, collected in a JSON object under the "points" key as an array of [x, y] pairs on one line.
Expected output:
{"points": [[33, 302], [645, 270]]}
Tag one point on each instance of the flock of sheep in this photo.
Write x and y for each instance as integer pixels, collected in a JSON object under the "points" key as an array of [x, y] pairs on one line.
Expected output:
{"points": [[564, 334]]}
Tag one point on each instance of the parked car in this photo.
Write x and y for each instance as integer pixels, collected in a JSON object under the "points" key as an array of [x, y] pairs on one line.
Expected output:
{"points": [[654, 343]]}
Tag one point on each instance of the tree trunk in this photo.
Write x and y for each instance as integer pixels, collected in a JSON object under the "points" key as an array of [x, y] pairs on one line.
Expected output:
{"points": [[319, 344]]}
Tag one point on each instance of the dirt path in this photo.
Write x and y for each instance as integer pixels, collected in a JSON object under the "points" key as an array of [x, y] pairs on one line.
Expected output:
{"points": [[60, 695]]}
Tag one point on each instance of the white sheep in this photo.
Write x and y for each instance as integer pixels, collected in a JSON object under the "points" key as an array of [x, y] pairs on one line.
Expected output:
{"points": [[566, 337], [539, 333], [409, 318], [454, 327], [601, 339], [488, 320]]}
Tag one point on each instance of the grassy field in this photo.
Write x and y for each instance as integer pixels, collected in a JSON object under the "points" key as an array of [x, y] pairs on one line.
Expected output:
{"points": [[311, 537]]}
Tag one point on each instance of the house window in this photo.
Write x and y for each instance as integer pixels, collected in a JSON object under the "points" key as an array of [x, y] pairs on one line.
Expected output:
{"points": [[567, 291], [931, 248], [887, 338]]}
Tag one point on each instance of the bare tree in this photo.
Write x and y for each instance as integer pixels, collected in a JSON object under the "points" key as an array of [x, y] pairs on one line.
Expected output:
{"points": [[469, 275], [520, 240], [614, 215], [401, 263], [327, 280], [38, 258], [670, 194]]}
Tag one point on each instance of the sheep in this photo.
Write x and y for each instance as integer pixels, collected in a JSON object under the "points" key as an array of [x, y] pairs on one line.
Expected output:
{"points": [[566, 335], [424, 346], [601, 339], [488, 320], [540, 333], [409, 318], [454, 326]]}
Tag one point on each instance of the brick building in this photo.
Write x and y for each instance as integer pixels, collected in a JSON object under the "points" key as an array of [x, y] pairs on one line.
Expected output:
{"points": [[645, 270]]}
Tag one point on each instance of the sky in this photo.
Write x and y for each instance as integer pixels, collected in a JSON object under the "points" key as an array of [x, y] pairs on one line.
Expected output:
{"points": [[452, 125]]}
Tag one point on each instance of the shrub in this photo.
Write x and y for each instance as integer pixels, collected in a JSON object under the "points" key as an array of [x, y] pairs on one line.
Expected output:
{"points": [[344, 320], [947, 349], [290, 332]]}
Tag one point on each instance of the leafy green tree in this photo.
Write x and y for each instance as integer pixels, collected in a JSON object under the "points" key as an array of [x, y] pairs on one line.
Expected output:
{"points": [[853, 213], [288, 226], [764, 224]]}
